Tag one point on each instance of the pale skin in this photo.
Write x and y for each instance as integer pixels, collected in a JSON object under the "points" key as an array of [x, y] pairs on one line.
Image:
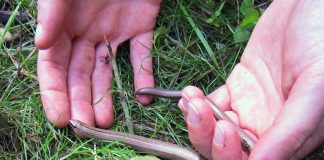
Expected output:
{"points": [[73, 75], [275, 93]]}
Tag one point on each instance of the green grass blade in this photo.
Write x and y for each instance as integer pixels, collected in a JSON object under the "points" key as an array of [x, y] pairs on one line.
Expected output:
{"points": [[9, 23], [203, 41]]}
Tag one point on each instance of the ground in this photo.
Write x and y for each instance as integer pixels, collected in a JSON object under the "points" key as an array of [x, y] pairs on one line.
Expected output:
{"points": [[190, 37]]}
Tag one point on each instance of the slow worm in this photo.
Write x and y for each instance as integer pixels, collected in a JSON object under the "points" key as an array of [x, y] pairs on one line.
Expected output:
{"points": [[159, 148], [246, 140], [156, 147]]}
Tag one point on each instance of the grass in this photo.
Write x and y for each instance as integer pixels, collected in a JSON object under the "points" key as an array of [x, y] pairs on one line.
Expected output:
{"points": [[187, 50]]}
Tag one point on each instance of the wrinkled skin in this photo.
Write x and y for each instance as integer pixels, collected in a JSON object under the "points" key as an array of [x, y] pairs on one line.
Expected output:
{"points": [[275, 93], [73, 74]]}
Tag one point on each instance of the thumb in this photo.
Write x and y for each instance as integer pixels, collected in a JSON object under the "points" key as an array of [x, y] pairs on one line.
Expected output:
{"points": [[50, 19], [290, 134]]}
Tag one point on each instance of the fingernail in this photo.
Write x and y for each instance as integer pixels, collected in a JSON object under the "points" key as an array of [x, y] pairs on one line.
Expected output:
{"points": [[39, 31], [219, 136], [193, 114], [185, 100], [181, 105]]}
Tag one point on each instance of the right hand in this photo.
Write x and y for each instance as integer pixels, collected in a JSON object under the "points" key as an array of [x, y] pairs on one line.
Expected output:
{"points": [[72, 72]]}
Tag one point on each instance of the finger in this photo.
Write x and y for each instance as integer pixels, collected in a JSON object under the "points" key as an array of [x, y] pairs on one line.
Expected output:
{"points": [[235, 119], [201, 124], [50, 19], [299, 118], [189, 93], [221, 97], [183, 109], [233, 116], [52, 69], [79, 84], [226, 142], [141, 46], [101, 83], [312, 142]]}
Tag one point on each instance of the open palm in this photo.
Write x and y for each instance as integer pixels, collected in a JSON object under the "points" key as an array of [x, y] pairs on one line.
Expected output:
{"points": [[275, 93], [73, 67]]}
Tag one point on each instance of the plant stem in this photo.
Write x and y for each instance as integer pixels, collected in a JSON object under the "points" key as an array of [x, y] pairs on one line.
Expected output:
{"points": [[122, 95]]}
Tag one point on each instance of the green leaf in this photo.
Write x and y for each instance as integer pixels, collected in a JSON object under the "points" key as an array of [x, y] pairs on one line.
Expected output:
{"points": [[215, 18], [246, 6], [241, 34], [251, 18]]}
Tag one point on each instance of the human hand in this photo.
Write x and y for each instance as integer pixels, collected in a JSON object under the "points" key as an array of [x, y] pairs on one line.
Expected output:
{"points": [[74, 76], [275, 93]]}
